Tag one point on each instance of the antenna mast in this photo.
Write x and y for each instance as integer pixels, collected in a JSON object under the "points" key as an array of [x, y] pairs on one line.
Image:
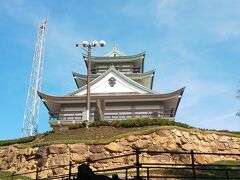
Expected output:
{"points": [[31, 114]]}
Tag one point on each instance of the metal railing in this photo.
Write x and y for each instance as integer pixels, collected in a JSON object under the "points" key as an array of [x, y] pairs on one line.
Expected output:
{"points": [[114, 114], [137, 113], [142, 170], [66, 115]]}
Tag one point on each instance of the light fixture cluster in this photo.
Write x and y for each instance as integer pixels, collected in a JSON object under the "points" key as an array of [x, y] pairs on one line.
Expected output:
{"points": [[101, 43]]}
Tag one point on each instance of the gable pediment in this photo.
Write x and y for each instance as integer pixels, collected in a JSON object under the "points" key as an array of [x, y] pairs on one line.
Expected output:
{"points": [[113, 81]]}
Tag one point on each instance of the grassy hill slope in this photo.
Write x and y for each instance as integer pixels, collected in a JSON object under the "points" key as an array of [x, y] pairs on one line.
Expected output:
{"points": [[103, 132]]}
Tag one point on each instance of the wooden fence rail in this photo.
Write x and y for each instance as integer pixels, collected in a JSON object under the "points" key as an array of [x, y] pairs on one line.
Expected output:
{"points": [[138, 167]]}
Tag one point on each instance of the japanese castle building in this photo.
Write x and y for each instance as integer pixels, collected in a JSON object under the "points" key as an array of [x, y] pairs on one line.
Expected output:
{"points": [[121, 87]]}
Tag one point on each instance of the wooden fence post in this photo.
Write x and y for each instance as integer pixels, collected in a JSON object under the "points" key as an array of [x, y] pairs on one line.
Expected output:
{"points": [[70, 170], [147, 173], [12, 177], [37, 173], [126, 175], [88, 160], [193, 165], [137, 164], [227, 174]]}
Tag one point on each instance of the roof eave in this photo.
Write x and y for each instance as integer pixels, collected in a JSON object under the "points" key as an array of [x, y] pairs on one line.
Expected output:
{"points": [[143, 63], [43, 100], [179, 100], [74, 77], [167, 96], [152, 79]]}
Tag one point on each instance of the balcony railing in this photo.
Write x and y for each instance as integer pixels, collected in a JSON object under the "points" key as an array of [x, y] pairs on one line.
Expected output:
{"points": [[137, 113], [66, 115], [114, 114], [98, 70]]}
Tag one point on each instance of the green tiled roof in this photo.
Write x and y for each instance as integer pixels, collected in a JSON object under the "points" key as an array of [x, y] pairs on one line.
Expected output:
{"points": [[171, 100], [137, 59], [116, 58], [112, 69], [145, 79]]}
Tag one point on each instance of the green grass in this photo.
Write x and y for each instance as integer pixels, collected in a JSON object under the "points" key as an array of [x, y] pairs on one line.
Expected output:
{"points": [[103, 132], [214, 173], [93, 135], [5, 175], [15, 141], [103, 135]]}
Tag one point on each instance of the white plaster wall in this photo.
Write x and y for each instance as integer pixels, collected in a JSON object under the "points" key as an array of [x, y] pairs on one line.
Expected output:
{"points": [[121, 86]]}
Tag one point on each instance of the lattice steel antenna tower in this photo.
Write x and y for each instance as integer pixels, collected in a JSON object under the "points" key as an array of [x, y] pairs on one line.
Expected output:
{"points": [[31, 114]]}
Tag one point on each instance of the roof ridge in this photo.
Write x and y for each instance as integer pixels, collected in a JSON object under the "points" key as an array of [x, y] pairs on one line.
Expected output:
{"points": [[109, 57], [115, 52]]}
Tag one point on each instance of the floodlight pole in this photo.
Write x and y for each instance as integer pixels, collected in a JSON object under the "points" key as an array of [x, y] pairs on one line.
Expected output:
{"points": [[89, 47], [88, 84]]}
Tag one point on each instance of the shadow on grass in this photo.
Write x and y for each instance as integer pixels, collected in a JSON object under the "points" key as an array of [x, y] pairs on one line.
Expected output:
{"points": [[217, 170], [5, 175]]}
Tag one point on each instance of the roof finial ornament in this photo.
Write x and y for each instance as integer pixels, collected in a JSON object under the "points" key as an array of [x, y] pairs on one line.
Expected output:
{"points": [[114, 46], [114, 50]]}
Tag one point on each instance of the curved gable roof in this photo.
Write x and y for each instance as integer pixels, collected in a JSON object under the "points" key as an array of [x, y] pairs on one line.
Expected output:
{"points": [[119, 74], [137, 59], [171, 99], [145, 79], [109, 58]]}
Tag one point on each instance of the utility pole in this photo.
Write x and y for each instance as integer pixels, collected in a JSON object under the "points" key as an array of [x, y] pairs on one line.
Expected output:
{"points": [[31, 114]]}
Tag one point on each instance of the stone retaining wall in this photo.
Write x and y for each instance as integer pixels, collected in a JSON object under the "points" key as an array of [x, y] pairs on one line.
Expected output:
{"points": [[24, 160]]}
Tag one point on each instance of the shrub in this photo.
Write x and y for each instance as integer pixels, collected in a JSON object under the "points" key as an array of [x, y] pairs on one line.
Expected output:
{"points": [[78, 125], [75, 126], [99, 123], [129, 123], [17, 141], [48, 132], [138, 123]]}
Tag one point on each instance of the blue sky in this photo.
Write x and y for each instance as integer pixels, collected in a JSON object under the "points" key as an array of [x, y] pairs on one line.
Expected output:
{"points": [[189, 43]]}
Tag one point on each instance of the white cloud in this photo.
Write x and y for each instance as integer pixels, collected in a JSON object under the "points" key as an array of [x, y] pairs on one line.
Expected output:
{"points": [[167, 13], [21, 11], [162, 3], [216, 19], [225, 120], [61, 55], [197, 90], [226, 30]]}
